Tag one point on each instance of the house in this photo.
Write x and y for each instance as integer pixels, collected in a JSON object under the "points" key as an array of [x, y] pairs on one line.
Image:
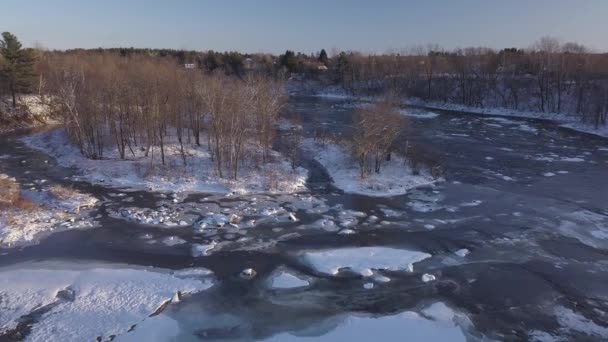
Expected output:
{"points": [[190, 66]]}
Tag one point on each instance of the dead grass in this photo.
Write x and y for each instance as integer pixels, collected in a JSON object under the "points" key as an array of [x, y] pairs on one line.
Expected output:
{"points": [[9, 191], [62, 193]]}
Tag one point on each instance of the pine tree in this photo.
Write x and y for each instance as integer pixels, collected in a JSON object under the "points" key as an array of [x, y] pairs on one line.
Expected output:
{"points": [[17, 69], [323, 56]]}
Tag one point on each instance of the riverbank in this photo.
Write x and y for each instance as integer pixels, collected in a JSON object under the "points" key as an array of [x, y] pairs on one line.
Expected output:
{"points": [[29, 214], [562, 119], [143, 171], [395, 177], [32, 111]]}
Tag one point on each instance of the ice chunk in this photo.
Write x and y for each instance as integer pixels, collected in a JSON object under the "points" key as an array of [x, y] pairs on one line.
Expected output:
{"points": [[363, 259], [462, 252], [282, 279], [199, 250]]}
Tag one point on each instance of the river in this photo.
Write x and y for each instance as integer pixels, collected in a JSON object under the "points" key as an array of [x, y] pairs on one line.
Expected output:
{"points": [[527, 199]]}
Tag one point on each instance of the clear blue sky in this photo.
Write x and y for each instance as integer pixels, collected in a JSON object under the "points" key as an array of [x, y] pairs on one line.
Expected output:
{"points": [[303, 25]]}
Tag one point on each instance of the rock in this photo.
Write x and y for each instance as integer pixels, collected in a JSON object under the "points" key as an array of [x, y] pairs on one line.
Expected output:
{"points": [[67, 294], [177, 297], [248, 273], [235, 219]]}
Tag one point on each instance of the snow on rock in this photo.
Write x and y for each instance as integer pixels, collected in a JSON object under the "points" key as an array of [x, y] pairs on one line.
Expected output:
{"points": [[283, 279], [363, 260], [428, 277], [107, 298], [395, 178], [198, 175], [368, 286], [248, 273]]}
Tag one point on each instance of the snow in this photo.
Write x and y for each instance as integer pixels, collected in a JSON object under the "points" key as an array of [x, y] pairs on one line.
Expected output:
{"points": [[548, 174], [363, 260], [109, 298], [441, 324], [283, 279], [199, 175], [48, 213], [395, 178]]}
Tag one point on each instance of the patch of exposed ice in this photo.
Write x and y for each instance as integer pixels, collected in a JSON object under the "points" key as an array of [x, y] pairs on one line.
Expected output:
{"points": [[437, 323], [363, 260]]}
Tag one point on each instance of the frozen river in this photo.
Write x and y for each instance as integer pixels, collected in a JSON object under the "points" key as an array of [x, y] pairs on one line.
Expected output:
{"points": [[512, 246]]}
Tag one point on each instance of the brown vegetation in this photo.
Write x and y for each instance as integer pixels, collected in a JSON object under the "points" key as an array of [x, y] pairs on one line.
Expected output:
{"points": [[376, 129], [139, 102]]}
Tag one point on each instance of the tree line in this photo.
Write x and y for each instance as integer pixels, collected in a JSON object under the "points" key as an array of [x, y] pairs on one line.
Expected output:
{"points": [[548, 77], [142, 102]]}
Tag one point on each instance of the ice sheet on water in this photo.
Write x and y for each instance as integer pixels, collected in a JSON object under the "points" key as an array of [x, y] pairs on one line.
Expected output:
{"points": [[441, 324], [363, 260]]}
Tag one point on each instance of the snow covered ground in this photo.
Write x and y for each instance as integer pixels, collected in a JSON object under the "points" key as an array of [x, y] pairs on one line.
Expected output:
{"points": [[199, 175], [86, 300], [395, 177], [39, 212]]}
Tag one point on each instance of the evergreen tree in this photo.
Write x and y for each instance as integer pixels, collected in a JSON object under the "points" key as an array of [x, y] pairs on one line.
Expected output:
{"points": [[17, 69], [323, 57], [288, 60]]}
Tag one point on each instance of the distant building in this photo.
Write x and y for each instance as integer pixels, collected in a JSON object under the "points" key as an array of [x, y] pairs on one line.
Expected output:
{"points": [[190, 66], [248, 63]]}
